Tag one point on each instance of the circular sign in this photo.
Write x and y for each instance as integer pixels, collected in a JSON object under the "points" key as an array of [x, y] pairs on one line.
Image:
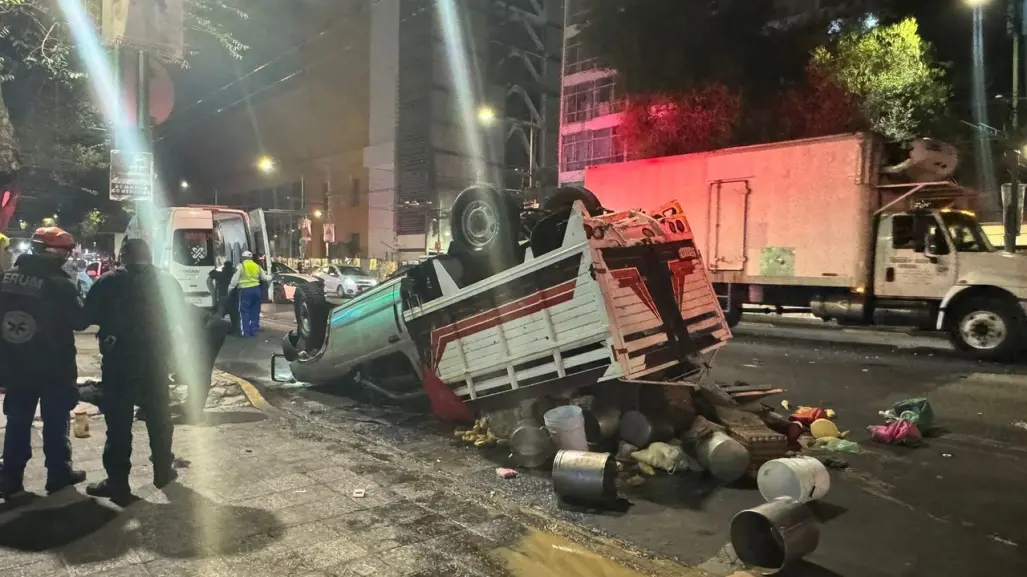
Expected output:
{"points": [[18, 327]]}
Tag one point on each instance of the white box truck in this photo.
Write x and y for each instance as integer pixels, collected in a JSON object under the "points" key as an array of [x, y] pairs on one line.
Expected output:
{"points": [[821, 226]]}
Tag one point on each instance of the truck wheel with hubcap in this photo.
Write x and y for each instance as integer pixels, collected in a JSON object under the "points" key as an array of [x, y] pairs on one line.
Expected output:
{"points": [[988, 327], [311, 316]]}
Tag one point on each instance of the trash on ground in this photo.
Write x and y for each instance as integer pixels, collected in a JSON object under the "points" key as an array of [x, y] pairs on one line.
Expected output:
{"points": [[918, 410], [566, 426], [832, 462], [806, 415], [800, 478], [663, 456], [836, 444], [821, 428], [635, 481], [359, 493], [505, 473], [773, 535], [585, 475], [900, 432], [724, 457]]}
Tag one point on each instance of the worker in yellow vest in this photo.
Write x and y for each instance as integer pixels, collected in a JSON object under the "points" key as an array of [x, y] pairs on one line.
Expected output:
{"points": [[247, 278], [6, 254]]}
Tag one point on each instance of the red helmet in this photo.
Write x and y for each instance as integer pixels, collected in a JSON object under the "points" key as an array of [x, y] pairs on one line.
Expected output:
{"points": [[49, 237]]}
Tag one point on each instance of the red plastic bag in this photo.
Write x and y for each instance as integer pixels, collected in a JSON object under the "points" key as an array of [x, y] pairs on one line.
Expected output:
{"points": [[900, 432]]}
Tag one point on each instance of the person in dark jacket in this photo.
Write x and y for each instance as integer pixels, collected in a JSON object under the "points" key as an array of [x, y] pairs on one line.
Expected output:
{"points": [[40, 310], [227, 300], [141, 312]]}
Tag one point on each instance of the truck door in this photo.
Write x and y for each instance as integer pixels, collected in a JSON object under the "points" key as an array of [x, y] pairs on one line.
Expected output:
{"points": [[729, 204], [914, 257], [261, 244]]}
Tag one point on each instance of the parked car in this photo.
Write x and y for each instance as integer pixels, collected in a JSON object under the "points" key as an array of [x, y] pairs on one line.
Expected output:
{"points": [[284, 280], [345, 281]]}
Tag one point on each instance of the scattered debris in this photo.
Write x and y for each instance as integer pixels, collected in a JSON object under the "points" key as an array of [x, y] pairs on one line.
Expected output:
{"points": [[947, 455], [1020, 425], [505, 473], [836, 444], [917, 410], [359, 493], [833, 462], [773, 535], [900, 432]]}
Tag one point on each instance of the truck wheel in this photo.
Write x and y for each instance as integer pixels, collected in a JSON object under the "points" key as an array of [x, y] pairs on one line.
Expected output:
{"points": [[988, 328], [311, 316], [733, 316], [484, 230], [564, 197]]}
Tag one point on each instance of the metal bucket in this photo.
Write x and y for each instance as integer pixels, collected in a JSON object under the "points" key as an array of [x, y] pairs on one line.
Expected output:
{"points": [[584, 475], [531, 446], [772, 535], [642, 430], [601, 424], [723, 456]]}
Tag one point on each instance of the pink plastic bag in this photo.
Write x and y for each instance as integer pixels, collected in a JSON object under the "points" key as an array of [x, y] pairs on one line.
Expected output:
{"points": [[900, 432]]}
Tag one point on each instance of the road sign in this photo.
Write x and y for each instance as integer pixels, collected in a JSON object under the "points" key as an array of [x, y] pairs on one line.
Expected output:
{"points": [[329, 232], [131, 175]]}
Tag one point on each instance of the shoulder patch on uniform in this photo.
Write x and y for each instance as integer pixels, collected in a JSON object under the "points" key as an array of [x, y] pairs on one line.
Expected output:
{"points": [[17, 327]]}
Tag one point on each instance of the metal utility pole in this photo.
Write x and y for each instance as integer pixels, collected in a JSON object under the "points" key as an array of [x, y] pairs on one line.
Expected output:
{"points": [[1012, 205]]}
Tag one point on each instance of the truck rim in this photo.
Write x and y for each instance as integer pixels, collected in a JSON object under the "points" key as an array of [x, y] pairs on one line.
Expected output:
{"points": [[983, 330], [480, 224]]}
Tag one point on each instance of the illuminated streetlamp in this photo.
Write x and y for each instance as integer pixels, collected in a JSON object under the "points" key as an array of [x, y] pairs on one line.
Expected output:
{"points": [[976, 3], [183, 185], [486, 115], [266, 164], [317, 213]]}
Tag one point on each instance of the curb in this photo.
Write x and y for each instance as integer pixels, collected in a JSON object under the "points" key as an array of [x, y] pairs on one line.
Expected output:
{"points": [[253, 395]]}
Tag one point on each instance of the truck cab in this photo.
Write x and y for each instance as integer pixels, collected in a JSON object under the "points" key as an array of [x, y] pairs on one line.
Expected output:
{"points": [[943, 261]]}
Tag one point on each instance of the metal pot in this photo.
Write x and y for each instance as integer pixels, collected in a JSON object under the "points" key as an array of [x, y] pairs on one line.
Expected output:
{"points": [[772, 535], [531, 446], [602, 424], [584, 475], [723, 456], [642, 430]]}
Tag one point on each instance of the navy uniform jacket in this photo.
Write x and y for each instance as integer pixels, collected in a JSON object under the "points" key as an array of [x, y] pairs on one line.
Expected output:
{"points": [[40, 310]]}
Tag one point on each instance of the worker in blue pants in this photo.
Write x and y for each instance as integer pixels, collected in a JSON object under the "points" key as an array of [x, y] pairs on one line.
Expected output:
{"points": [[247, 278]]}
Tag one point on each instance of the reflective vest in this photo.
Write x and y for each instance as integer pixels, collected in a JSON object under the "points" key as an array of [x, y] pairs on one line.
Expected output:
{"points": [[249, 274]]}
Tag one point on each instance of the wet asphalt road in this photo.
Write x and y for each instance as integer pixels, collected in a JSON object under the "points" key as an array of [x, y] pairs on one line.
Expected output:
{"points": [[944, 509]]}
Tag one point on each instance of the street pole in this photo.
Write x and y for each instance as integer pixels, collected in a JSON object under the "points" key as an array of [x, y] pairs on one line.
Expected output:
{"points": [[1012, 207]]}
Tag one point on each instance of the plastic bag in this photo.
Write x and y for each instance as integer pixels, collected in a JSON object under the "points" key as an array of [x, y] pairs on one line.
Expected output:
{"points": [[918, 410], [663, 456], [900, 432]]}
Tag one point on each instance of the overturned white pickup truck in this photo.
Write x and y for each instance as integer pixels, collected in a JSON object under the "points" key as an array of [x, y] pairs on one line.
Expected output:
{"points": [[594, 298]]}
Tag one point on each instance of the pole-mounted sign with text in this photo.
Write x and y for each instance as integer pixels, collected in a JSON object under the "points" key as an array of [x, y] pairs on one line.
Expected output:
{"points": [[131, 175]]}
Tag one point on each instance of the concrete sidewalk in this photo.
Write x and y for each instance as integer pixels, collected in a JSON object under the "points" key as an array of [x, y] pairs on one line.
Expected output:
{"points": [[265, 494]]}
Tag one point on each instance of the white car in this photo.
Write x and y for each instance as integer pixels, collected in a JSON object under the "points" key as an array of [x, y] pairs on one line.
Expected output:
{"points": [[345, 281]]}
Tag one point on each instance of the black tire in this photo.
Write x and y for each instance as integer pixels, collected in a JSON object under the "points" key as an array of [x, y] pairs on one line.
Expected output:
{"points": [[484, 230], [988, 313], [312, 312], [564, 197], [733, 316]]}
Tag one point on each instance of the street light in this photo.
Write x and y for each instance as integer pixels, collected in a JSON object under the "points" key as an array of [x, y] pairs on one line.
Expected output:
{"points": [[486, 115], [266, 164], [183, 185], [976, 3], [317, 213]]}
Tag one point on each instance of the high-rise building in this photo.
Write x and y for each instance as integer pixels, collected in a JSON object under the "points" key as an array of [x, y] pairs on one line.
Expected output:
{"points": [[386, 115], [590, 110]]}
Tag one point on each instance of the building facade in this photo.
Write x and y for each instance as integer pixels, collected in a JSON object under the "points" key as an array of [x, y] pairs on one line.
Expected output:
{"points": [[590, 106]]}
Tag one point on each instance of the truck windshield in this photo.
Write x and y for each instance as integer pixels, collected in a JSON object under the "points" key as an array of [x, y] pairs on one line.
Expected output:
{"points": [[966, 232]]}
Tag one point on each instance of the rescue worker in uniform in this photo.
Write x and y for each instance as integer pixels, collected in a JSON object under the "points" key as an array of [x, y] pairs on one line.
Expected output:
{"points": [[6, 254], [140, 311], [247, 278], [40, 310]]}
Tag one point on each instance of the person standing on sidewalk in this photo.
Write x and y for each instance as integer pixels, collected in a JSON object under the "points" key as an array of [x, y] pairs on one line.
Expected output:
{"points": [[40, 310], [142, 314], [248, 276]]}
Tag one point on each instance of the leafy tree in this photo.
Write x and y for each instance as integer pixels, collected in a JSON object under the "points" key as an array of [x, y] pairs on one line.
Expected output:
{"points": [[58, 130], [90, 225], [699, 119], [890, 71]]}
